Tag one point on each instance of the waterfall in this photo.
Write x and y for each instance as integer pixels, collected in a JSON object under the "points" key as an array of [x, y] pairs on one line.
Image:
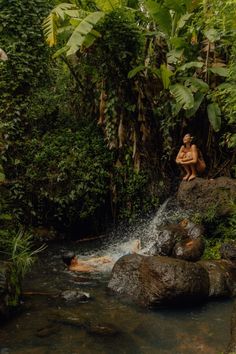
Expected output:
{"points": [[123, 239]]}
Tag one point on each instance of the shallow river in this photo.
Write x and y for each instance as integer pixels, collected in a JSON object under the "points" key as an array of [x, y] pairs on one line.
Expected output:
{"points": [[48, 324]]}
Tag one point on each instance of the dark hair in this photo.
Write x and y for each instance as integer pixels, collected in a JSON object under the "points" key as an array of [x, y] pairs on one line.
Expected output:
{"points": [[67, 257]]}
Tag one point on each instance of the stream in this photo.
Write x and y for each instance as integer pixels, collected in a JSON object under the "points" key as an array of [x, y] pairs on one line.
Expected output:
{"points": [[105, 324]]}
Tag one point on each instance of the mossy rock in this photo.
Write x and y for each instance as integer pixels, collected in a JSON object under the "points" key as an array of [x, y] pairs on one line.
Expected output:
{"points": [[202, 195]]}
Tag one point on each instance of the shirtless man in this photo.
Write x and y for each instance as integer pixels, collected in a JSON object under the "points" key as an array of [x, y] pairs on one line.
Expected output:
{"points": [[93, 264]]}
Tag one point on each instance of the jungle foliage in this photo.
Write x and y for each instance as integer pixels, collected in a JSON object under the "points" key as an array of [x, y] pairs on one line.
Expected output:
{"points": [[90, 128]]}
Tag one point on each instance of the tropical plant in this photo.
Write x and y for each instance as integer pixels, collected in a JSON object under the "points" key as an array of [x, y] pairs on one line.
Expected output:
{"points": [[75, 24], [19, 253]]}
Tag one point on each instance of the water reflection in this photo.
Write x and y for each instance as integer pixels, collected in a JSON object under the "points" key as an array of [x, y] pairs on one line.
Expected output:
{"points": [[105, 324]]}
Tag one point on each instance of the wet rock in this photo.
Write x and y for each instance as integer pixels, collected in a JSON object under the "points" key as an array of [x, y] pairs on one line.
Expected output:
{"points": [[189, 250], [201, 194], [72, 295], [228, 251], [231, 349], [222, 277], [155, 280], [183, 241], [193, 230], [166, 238]]}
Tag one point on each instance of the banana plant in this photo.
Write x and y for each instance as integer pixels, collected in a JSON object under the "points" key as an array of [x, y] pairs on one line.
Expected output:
{"points": [[76, 25], [189, 92]]}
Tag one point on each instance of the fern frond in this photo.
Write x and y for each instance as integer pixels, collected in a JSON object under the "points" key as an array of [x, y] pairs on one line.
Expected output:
{"points": [[50, 29]]}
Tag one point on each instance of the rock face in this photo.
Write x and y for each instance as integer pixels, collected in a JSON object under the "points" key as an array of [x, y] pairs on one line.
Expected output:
{"points": [[166, 238], [222, 277], [228, 251], [183, 241], [190, 250], [202, 194], [155, 280]]}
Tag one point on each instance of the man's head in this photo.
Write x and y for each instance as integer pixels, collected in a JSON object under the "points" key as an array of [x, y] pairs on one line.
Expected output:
{"points": [[68, 257]]}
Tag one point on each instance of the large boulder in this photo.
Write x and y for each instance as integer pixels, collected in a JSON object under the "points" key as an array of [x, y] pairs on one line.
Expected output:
{"points": [[222, 277], [155, 280], [203, 194]]}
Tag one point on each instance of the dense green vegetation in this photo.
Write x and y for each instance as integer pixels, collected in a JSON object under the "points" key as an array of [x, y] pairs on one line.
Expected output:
{"points": [[90, 127]]}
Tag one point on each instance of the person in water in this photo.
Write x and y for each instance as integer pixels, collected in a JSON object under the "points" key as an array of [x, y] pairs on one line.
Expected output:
{"points": [[190, 159], [95, 263]]}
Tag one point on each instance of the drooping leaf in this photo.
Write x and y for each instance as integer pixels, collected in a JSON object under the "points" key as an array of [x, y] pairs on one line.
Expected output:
{"points": [[219, 71], [50, 29], [198, 98], [60, 51], [182, 21], [61, 9], [135, 71], [214, 116], [174, 56], [212, 35], [161, 15], [178, 42], [165, 75], [183, 95], [84, 29], [191, 64], [197, 84]]}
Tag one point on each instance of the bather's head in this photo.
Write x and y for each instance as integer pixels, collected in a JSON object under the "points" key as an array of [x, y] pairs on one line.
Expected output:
{"points": [[68, 258]]}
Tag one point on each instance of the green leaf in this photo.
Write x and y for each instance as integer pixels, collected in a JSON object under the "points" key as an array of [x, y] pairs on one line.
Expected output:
{"points": [[183, 19], [161, 16], [60, 51], [174, 5], [5, 217], [174, 56], [219, 71], [198, 98], [212, 35], [2, 177], [50, 29], [183, 95], [135, 71], [83, 33], [197, 84], [214, 116], [109, 5], [191, 64], [165, 76]]}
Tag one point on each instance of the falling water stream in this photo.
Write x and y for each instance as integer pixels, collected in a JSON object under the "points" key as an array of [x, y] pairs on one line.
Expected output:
{"points": [[105, 324]]}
